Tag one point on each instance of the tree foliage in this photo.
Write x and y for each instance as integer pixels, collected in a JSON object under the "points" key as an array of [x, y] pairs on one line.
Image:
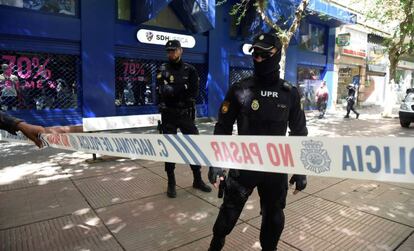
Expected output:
{"points": [[397, 17], [284, 26]]}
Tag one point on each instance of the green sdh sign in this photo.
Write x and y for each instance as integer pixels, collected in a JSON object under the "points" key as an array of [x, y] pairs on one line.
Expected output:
{"points": [[343, 39]]}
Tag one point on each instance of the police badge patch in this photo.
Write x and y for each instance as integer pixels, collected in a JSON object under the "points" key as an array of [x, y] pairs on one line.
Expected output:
{"points": [[225, 107], [314, 158], [255, 105]]}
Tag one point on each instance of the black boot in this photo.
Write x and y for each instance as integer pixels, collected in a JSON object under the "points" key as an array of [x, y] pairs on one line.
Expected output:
{"points": [[171, 192], [198, 183], [216, 244]]}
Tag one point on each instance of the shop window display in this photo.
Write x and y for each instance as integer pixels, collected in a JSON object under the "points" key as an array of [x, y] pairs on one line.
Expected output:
{"points": [[135, 81], [312, 37], [38, 81]]}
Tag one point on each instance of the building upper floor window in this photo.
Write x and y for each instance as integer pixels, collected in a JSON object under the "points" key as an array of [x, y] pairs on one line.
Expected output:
{"points": [[66, 7], [312, 37]]}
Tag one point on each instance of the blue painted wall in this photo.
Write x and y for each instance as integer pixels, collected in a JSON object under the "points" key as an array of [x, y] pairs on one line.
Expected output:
{"points": [[98, 61], [97, 37], [225, 52]]}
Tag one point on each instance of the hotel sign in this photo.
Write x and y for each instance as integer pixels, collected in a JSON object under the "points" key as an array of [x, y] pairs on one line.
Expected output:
{"points": [[161, 38]]}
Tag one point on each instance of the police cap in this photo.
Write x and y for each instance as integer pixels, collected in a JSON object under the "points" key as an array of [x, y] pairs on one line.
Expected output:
{"points": [[266, 42], [172, 45]]}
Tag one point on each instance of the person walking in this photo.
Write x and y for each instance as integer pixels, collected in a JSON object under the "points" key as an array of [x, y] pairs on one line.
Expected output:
{"points": [[351, 101], [321, 99]]}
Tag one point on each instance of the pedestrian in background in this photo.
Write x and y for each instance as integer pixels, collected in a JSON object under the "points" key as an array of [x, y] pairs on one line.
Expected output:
{"points": [[177, 89], [321, 98], [350, 99]]}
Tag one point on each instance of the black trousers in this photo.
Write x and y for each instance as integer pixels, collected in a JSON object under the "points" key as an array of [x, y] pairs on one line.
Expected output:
{"points": [[175, 119], [350, 107], [321, 107], [272, 188]]}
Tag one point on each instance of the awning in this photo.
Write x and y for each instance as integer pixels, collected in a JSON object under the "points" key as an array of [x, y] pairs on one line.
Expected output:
{"points": [[282, 11], [330, 13], [197, 16], [379, 70]]}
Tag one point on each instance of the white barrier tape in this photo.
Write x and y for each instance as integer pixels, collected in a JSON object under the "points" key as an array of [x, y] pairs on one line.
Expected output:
{"points": [[382, 159]]}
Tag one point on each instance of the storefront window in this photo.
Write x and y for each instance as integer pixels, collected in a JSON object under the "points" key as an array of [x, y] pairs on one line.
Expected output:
{"points": [[135, 82], [238, 73], [347, 75], [67, 7], [38, 81], [124, 10], [312, 37], [309, 79]]}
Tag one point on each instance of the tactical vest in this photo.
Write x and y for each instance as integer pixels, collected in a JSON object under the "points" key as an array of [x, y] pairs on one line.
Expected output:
{"points": [[178, 76], [264, 108]]}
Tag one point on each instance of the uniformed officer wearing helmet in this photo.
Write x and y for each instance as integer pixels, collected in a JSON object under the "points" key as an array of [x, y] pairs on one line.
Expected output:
{"points": [[262, 104], [177, 88]]}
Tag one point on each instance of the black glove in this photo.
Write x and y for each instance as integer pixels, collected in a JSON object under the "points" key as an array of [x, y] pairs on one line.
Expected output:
{"points": [[300, 181], [213, 172], [167, 90]]}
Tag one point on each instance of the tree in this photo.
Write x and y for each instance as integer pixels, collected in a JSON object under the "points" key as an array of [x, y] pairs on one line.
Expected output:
{"points": [[397, 16], [272, 20]]}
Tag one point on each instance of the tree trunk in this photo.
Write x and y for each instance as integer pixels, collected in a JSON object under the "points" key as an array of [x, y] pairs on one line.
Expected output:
{"points": [[390, 96], [283, 62], [393, 65]]}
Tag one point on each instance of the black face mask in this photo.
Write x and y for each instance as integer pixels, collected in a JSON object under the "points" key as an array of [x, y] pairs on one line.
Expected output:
{"points": [[269, 67]]}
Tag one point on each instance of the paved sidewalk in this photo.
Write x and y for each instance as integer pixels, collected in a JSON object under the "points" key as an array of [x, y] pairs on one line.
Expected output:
{"points": [[58, 200]]}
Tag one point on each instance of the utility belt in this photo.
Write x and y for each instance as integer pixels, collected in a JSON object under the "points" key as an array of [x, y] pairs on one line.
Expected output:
{"points": [[182, 112]]}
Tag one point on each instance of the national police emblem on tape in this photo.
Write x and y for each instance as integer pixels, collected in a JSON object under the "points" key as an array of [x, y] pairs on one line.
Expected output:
{"points": [[314, 158], [74, 142]]}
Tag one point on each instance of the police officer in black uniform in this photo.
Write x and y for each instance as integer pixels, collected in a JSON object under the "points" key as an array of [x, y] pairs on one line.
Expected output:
{"points": [[263, 104], [13, 125], [177, 88], [351, 101]]}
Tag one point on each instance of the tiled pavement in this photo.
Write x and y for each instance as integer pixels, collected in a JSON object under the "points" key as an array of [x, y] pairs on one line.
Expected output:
{"points": [[55, 200]]}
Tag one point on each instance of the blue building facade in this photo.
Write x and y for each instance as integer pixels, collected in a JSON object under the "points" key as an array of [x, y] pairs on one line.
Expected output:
{"points": [[77, 59]]}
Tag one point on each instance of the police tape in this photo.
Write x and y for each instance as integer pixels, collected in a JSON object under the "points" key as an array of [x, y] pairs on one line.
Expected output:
{"points": [[381, 159]]}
